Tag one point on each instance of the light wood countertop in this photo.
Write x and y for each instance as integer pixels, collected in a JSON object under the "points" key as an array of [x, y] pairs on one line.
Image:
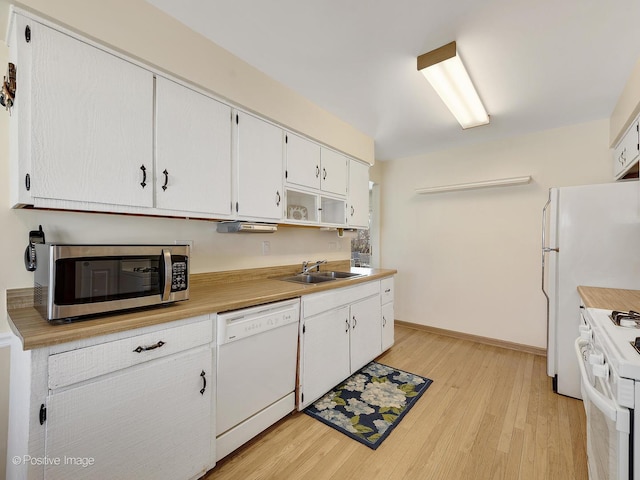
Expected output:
{"points": [[209, 293], [610, 298]]}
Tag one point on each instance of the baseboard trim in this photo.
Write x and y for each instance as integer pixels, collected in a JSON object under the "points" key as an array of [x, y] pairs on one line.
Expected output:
{"points": [[475, 338]]}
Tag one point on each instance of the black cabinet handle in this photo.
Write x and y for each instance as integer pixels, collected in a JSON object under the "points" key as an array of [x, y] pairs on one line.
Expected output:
{"points": [[384, 321], [204, 383], [355, 322], [144, 176], [346, 330], [317, 171], [166, 179], [324, 173], [152, 347], [278, 198], [352, 210]]}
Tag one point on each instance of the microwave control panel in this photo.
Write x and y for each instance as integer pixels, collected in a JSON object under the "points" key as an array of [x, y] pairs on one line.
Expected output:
{"points": [[179, 276]]}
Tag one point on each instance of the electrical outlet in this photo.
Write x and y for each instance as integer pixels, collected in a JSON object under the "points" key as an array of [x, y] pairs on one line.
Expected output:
{"points": [[266, 247]]}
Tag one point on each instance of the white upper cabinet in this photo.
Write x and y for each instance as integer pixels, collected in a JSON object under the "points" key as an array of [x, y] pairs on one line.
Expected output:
{"points": [[259, 167], [193, 151], [303, 161], [92, 123], [627, 151], [358, 207], [310, 165], [333, 173]]}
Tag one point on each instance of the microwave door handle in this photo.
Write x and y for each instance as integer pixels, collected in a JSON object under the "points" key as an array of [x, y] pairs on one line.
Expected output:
{"points": [[604, 404], [166, 288]]}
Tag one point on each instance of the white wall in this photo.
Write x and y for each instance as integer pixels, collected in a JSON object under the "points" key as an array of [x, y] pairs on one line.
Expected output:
{"points": [[470, 261]]}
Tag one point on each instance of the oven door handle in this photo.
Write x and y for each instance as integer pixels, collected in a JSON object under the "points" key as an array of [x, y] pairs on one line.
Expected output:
{"points": [[606, 405], [168, 274]]}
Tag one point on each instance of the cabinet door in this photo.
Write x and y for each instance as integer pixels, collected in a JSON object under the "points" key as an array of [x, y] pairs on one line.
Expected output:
{"points": [[627, 151], [303, 161], [149, 421], [92, 123], [387, 326], [259, 168], [358, 209], [333, 172], [366, 332], [193, 151], [325, 354]]}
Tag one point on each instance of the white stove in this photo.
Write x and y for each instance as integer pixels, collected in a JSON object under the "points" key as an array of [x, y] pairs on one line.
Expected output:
{"points": [[610, 383]]}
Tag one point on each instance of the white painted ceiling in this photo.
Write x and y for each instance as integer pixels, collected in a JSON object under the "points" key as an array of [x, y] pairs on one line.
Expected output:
{"points": [[537, 64]]}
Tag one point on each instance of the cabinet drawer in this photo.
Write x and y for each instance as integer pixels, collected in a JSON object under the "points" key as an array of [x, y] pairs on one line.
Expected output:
{"points": [[82, 364], [386, 290], [323, 302]]}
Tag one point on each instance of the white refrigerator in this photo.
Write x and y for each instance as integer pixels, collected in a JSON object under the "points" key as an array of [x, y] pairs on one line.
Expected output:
{"points": [[590, 236]]}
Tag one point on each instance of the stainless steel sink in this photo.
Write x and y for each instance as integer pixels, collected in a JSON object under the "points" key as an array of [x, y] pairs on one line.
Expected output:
{"points": [[307, 278], [337, 274], [319, 277]]}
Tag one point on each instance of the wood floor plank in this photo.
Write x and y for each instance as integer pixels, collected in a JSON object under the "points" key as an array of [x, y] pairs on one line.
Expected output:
{"points": [[489, 415]]}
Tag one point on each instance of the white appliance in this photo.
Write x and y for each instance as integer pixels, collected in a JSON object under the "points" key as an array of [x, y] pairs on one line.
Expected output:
{"points": [[590, 236], [256, 376], [610, 381]]}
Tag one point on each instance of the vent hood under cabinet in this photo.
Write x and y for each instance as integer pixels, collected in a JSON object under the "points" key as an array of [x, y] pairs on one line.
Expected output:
{"points": [[246, 227]]}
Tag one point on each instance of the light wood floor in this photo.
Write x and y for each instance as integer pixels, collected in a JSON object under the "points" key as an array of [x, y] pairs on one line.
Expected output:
{"points": [[489, 414]]}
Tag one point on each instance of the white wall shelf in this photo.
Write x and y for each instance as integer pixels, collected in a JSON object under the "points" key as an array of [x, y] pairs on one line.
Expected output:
{"points": [[500, 182]]}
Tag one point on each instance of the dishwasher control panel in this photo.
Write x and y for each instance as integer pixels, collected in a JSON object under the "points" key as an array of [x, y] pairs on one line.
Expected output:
{"points": [[243, 323]]}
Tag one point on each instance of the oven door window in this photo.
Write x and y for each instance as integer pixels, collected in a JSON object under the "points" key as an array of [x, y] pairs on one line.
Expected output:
{"points": [[91, 280]]}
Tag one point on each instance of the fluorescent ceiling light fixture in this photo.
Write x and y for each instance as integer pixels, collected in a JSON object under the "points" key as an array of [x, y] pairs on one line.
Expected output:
{"points": [[447, 75]]}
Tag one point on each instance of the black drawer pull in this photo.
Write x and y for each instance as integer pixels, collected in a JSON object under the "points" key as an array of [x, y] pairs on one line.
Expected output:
{"points": [[152, 347], [204, 381]]}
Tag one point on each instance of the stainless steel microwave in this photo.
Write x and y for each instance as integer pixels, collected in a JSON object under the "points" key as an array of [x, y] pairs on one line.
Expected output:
{"points": [[77, 280]]}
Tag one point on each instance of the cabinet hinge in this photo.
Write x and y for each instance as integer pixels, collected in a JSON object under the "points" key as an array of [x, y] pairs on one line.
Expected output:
{"points": [[236, 207], [43, 414], [286, 139], [302, 398], [304, 328], [237, 119], [27, 34], [27, 182], [286, 174]]}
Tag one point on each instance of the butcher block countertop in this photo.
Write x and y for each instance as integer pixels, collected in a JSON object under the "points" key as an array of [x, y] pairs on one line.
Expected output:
{"points": [[610, 298], [209, 293]]}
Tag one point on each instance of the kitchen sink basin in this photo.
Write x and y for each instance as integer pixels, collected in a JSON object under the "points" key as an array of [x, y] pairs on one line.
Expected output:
{"points": [[307, 278], [336, 274], [319, 277]]}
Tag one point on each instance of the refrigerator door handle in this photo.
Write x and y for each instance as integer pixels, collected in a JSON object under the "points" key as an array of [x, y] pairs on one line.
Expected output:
{"points": [[546, 249]]}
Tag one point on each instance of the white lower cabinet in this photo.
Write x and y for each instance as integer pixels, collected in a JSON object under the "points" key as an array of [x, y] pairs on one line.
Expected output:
{"points": [[136, 404], [148, 421], [365, 338], [388, 322], [340, 333], [325, 356]]}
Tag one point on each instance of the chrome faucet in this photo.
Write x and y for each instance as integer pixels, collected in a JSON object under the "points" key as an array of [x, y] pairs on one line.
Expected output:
{"points": [[306, 268]]}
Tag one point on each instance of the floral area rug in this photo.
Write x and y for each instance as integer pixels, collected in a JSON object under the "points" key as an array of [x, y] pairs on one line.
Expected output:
{"points": [[370, 403]]}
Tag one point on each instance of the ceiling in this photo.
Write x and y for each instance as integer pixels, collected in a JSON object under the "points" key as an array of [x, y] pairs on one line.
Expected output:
{"points": [[537, 64]]}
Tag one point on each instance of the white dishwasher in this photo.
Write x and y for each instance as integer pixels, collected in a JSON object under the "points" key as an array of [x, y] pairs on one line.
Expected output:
{"points": [[256, 377]]}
